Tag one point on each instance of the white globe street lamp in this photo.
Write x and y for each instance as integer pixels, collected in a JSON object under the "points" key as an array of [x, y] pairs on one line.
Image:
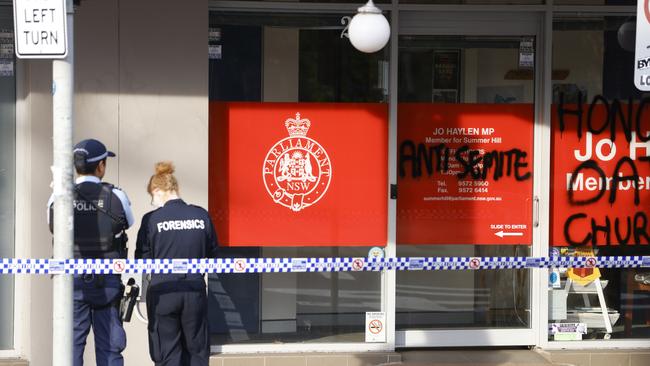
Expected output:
{"points": [[369, 30]]}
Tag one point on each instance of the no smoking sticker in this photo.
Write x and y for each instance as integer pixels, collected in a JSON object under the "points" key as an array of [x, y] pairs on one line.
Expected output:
{"points": [[375, 327], [239, 265], [474, 263], [357, 264], [591, 262], [119, 266]]}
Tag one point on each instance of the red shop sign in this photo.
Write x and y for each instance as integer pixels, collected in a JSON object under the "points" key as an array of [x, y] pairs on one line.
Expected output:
{"points": [[600, 174], [465, 174], [299, 174]]}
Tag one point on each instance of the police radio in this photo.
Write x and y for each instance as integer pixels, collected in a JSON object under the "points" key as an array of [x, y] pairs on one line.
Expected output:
{"points": [[131, 292]]}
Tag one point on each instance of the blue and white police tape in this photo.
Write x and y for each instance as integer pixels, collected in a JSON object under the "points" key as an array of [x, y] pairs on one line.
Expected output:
{"points": [[279, 265]]}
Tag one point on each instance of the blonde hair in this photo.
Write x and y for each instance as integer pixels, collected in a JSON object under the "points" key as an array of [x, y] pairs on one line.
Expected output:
{"points": [[164, 178]]}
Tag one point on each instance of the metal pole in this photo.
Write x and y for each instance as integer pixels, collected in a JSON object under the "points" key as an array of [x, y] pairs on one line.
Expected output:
{"points": [[63, 102]]}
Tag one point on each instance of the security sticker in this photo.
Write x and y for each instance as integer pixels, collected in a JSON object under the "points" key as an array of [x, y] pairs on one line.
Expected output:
{"points": [[57, 266], [376, 252], [299, 265], [180, 265], [554, 278], [646, 262], [416, 263], [532, 262], [567, 331]]}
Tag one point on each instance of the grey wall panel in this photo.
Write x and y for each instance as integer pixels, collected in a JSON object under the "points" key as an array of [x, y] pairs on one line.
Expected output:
{"points": [[483, 24]]}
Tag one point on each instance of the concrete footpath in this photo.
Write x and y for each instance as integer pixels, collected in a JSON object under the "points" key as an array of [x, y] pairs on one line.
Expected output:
{"points": [[453, 357]]}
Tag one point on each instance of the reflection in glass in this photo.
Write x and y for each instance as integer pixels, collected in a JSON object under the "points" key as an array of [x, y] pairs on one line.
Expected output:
{"points": [[7, 178], [293, 307], [463, 299], [593, 66], [266, 57], [455, 80], [464, 69]]}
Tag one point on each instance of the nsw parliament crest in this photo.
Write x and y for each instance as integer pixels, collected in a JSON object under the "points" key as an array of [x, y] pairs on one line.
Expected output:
{"points": [[297, 169]]}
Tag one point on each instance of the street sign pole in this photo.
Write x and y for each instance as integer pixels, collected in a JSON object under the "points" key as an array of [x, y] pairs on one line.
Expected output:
{"points": [[63, 116]]}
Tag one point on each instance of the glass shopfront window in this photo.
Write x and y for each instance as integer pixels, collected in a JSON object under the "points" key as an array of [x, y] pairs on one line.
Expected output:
{"points": [[600, 174], [466, 125], [7, 171], [596, 2], [269, 72]]}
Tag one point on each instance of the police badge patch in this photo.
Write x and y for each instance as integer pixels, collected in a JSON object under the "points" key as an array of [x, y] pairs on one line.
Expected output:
{"points": [[297, 170]]}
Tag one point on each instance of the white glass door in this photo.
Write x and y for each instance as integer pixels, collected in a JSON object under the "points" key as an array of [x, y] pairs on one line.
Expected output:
{"points": [[466, 127]]}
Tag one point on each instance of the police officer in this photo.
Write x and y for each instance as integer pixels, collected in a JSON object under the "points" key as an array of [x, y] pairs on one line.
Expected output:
{"points": [[176, 303], [102, 213]]}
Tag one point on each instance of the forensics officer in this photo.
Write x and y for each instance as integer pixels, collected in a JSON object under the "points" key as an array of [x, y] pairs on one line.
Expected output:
{"points": [[176, 303], [102, 213]]}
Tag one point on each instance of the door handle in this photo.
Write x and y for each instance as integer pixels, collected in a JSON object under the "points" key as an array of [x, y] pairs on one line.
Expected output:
{"points": [[536, 211]]}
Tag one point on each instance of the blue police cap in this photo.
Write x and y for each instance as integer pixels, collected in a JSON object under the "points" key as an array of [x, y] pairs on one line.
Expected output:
{"points": [[93, 149]]}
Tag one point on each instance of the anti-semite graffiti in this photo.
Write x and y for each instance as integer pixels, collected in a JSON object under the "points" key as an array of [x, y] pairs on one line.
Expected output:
{"points": [[475, 163], [465, 174]]}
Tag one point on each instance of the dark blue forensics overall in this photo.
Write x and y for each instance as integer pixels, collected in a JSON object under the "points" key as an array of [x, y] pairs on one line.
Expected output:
{"points": [[101, 214], [177, 303]]}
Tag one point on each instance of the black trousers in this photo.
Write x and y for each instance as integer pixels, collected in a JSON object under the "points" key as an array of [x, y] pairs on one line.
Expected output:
{"points": [[178, 325]]}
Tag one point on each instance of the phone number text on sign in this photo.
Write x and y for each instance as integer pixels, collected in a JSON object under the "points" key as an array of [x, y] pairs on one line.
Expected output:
{"points": [[464, 168]]}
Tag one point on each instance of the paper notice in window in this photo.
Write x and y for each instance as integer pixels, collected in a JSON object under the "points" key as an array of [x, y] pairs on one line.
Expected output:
{"points": [[214, 52], [6, 68], [7, 51]]}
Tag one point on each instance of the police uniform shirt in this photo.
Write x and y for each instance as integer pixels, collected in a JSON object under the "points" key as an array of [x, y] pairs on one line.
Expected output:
{"points": [[176, 230], [101, 214], [124, 200]]}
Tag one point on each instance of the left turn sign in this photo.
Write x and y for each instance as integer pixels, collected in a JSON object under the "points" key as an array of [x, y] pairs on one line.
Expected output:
{"points": [[41, 29]]}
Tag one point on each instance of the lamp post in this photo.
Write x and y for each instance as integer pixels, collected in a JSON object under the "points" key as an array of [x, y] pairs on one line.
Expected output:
{"points": [[369, 30]]}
